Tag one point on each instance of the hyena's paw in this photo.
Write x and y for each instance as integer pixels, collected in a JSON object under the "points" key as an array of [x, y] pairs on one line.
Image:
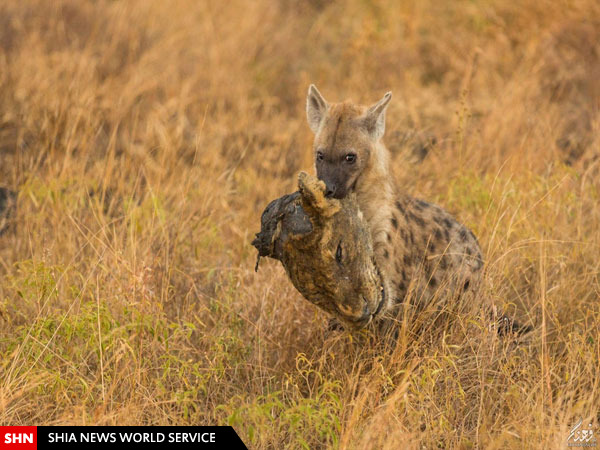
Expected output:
{"points": [[506, 325]]}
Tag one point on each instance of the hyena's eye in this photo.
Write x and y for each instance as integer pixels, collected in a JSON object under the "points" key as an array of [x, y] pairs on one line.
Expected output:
{"points": [[338, 253], [350, 158], [319, 156]]}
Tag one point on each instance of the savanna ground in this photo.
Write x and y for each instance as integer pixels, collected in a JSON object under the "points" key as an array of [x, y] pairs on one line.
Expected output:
{"points": [[144, 138]]}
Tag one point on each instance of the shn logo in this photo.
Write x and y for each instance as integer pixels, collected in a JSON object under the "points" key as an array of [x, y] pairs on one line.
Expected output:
{"points": [[581, 437], [18, 438]]}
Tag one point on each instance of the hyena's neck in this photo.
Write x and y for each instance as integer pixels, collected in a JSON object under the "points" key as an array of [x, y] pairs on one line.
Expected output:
{"points": [[376, 194]]}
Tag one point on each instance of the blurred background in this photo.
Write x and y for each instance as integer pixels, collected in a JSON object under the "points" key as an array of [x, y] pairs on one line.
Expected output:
{"points": [[141, 140]]}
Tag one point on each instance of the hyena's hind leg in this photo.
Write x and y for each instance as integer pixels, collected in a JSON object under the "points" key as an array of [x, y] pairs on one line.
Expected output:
{"points": [[506, 326]]}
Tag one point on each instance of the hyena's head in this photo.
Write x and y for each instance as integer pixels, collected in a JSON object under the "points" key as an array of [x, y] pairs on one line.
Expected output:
{"points": [[346, 137]]}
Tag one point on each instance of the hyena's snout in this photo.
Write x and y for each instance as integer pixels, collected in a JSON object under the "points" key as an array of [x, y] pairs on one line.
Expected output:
{"points": [[334, 186], [333, 179], [330, 189]]}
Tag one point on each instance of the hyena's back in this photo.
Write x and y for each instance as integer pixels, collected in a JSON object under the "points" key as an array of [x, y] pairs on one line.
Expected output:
{"points": [[430, 252]]}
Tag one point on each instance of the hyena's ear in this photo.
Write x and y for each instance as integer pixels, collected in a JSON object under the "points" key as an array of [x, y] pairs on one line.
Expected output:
{"points": [[316, 106], [312, 191], [374, 118]]}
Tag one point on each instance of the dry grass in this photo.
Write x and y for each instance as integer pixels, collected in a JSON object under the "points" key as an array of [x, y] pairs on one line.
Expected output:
{"points": [[144, 139]]}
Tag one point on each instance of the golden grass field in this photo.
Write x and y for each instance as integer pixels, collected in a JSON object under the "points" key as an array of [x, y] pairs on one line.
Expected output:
{"points": [[144, 139]]}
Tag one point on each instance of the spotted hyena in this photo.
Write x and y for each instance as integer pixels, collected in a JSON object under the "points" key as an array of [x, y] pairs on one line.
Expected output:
{"points": [[326, 247], [418, 247]]}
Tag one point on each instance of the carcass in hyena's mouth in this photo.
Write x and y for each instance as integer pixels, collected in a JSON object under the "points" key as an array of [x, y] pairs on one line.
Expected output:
{"points": [[325, 246]]}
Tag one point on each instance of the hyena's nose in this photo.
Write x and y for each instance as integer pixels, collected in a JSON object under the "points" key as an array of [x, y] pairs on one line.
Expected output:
{"points": [[330, 189]]}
